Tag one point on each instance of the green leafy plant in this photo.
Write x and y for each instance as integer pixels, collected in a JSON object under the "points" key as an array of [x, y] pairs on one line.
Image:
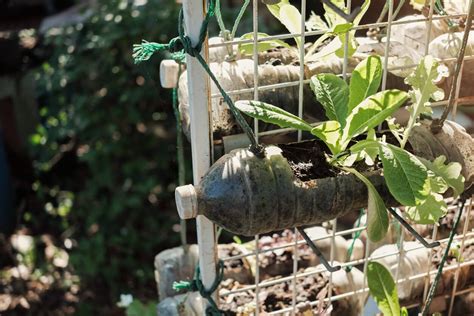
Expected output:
{"points": [[337, 28], [383, 289], [289, 16], [356, 109]]}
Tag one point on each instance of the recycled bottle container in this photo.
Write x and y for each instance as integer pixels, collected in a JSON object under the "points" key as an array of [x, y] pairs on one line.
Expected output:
{"points": [[249, 195]]}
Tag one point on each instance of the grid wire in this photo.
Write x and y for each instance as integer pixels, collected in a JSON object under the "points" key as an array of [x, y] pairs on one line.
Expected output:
{"points": [[295, 275]]}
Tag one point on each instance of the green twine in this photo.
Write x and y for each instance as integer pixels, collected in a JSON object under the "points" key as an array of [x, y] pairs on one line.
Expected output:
{"points": [[196, 286], [356, 236], [182, 44]]}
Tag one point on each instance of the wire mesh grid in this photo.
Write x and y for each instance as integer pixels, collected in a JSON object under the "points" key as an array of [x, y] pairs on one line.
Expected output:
{"points": [[297, 273]]}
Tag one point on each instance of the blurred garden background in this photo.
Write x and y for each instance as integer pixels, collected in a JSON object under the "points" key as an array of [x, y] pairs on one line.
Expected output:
{"points": [[87, 155], [88, 161]]}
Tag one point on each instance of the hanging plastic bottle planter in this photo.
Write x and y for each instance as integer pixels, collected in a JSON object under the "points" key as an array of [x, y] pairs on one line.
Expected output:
{"points": [[249, 195]]}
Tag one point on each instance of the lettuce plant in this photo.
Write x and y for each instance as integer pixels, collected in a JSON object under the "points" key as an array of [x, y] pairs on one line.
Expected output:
{"points": [[355, 109], [336, 27]]}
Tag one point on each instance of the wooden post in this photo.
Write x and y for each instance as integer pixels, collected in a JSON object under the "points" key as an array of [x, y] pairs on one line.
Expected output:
{"points": [[199, 102]]}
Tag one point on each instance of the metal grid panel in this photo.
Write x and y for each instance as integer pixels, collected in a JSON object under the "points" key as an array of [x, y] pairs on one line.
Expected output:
{"points": [[206, 230]]}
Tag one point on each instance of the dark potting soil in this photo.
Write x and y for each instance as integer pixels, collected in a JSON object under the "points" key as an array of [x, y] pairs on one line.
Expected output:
{"points": [[276, 297], [307, 159]]}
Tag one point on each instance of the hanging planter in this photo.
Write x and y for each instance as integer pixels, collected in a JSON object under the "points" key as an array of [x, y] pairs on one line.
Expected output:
{"points": [[348, 167], [249, 195]]}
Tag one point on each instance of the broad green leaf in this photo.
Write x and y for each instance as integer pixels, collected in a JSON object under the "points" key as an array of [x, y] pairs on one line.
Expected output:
{"points": [[365, 80], [340, 28], [429, 211], [404, 311], [377, 218], [344, 35], [383, 289], [367, 149], [330, 133], [450, 174], [290, 17], [327, 50], [395, 129], [373, 111], [272, 114], [333, 94], [275, 8], [406, 176], [316, 23], [247, 48], [331, 16], [351, 42], [363, 9]]}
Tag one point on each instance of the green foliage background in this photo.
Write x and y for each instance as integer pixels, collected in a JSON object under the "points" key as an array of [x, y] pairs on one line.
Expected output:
{"points": [[105, 153]]}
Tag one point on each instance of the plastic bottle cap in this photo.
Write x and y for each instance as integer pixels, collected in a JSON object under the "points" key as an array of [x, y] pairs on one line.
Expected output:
{"points": [[186, 201]]}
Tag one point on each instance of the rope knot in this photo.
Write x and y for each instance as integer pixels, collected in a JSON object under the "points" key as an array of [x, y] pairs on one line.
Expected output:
{"points": [[175, 45], [185, 285], [188, 46]]}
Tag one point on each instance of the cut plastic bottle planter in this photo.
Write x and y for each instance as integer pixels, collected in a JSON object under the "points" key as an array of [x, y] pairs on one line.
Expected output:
{"points": [[249, 195]]}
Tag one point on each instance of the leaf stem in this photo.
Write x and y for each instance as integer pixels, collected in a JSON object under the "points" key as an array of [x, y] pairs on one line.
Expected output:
{"points": [[239, 18]]}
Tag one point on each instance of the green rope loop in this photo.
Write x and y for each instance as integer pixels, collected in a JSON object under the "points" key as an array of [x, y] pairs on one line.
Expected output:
{"points": [[196, 285], [183, 45]]}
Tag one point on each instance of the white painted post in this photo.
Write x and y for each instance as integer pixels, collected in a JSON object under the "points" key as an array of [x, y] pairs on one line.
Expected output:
{"points": [[199, 105]]}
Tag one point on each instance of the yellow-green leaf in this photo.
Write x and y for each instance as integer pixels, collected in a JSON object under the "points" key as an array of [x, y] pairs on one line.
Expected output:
{"points": [[429, 211], [290, 17], [333, 94], [450, 174], [330, 133], [272, 114], [247, 48], [377, 218], [365, 80], [373, 111], [406, 176], [383, 289]]}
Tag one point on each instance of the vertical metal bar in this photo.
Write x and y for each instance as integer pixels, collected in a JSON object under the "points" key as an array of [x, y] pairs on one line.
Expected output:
{"points": [[331, 256], [366, 261], [387, 44], [428, 278], [295, 270], [461, 250], [334, 222], [401, 252], [255, 127], [302, 53], [257, 276], [300, 114], [199, 101], [255, 58], [458, 89], [430, 24]]}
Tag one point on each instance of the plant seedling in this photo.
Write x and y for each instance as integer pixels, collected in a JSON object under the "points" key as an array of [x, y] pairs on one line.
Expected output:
{"points": [[383, 289], [356, 109], [336, 26]]}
